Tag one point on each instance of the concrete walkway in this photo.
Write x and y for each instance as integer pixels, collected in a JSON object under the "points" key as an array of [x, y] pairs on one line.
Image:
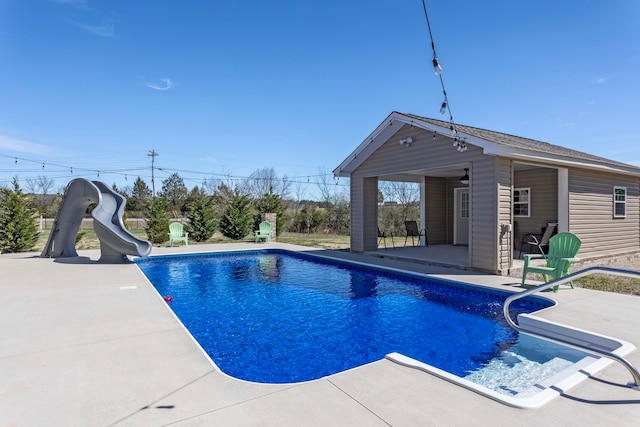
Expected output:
{"points": [[87, 344]]}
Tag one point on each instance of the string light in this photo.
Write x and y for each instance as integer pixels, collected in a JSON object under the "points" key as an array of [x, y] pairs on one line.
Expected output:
{"points": [[60, 171], [436, 65], [446, 106]]}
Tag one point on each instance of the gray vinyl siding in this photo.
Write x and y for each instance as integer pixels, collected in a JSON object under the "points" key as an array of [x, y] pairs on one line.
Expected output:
{"points": [[591, 213], [437, 218], [425, 152], [356, 227], [364, 214], [544, 199], [505, 194], [483, 193]]}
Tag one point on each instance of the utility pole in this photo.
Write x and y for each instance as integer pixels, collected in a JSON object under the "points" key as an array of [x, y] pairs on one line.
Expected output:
{"points": [[153, 155]]}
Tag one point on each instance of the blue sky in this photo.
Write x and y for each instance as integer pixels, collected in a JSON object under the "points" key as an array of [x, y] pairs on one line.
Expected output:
{"points": [[231, 87]]}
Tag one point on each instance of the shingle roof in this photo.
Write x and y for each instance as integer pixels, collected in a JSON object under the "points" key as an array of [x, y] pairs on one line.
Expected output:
{"points": [[519, 142]]}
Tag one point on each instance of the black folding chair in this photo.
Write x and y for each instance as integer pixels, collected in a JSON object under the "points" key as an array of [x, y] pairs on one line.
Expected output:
{"points": [[413, 231], [382, 236]]}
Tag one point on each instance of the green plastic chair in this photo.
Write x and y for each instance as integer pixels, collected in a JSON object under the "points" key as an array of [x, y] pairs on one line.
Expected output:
{"points": [[264, 231], [563, 248], [177, 235]]}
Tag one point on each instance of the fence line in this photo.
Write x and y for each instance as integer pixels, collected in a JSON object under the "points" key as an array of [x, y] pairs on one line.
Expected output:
{"points": [[87, 223]]}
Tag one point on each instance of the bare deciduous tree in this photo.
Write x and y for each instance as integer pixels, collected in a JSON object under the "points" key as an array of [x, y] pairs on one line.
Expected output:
{"points": [[264, 181], [41, 187]]}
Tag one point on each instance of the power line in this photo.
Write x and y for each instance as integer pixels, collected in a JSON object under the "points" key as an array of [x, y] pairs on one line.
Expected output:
{"points": [[61, 171], [153, 155]]}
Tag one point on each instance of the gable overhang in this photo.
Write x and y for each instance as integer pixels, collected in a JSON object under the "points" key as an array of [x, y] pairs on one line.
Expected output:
{"points": [[389, 127], [549, 159], [395, 121]]}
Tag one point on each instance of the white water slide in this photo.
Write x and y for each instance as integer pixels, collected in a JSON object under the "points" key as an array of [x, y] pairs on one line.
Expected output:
{"points": [[115, 241]]}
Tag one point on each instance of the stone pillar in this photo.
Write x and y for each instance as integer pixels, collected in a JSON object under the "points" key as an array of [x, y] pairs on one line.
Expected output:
{"points": [[271, 219]]}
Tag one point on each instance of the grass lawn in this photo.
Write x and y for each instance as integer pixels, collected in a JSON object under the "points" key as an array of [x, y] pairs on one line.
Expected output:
{"points": [[89, 240], [605, 283]]}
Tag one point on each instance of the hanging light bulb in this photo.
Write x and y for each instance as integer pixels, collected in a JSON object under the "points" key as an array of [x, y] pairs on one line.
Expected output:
{"points": [[443, 107], [436, 66]]}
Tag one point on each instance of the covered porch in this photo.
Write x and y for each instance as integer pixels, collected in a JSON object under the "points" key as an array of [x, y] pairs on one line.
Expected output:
{"points": [[452, 256], [476, 206]]}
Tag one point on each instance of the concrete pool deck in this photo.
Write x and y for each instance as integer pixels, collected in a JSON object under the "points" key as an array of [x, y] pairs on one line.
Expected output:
{"points": [[93, 344]]}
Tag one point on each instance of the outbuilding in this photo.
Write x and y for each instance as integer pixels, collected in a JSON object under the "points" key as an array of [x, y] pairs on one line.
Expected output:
{"points": [[515, 187]]}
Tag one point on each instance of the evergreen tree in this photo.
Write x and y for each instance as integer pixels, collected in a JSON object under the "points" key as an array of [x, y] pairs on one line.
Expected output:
{"points": [[201, 215], [157, 228], [138, 201], [18, 230], [271, 203], [236, 221], [175, 192]]}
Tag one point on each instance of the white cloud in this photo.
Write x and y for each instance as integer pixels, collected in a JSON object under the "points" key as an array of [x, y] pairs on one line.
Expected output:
{"points": [[599, 81], [22, 146], [168, 84], [105, 30]]}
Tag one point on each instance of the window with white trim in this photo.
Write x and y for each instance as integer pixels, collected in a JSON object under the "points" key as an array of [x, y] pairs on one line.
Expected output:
{"points": [[522, 202], [464, 205], [619, 202]]}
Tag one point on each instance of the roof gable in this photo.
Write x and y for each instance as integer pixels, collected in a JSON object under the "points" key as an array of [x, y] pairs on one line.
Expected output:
{"points": [[491, 142]]}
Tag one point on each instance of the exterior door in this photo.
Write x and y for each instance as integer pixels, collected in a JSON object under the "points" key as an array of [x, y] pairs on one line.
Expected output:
{"points": [[461, 220]]}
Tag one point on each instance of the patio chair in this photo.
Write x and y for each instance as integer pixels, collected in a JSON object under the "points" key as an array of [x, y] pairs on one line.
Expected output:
{"points": [[540, 241], [263, 232], [563, 248], [383, 235], [176, 234], [413, 231]]}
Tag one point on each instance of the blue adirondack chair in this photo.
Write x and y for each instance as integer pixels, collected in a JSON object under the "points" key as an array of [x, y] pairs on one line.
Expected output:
{"points": [[264, 231], [563, 248], [176, 234]]}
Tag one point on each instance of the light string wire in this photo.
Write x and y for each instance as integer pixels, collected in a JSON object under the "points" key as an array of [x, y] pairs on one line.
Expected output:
{"points": [[66, 171], [460, 144]]}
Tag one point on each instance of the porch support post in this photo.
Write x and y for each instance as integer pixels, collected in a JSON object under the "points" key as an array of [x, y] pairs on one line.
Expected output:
{"points": [[364, 214], [423, 207], [563, 199]]}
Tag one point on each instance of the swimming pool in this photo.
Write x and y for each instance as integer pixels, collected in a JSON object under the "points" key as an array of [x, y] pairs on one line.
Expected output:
{"points": [[279, 317]]}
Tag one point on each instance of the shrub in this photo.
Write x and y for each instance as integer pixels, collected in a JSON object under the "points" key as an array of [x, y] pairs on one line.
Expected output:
{"points": [[18, 230], [236, 221], [201, 215], [157, 227]]}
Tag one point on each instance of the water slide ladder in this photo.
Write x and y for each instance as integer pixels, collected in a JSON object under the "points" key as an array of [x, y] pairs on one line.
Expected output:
{"points": [[635, 384]]}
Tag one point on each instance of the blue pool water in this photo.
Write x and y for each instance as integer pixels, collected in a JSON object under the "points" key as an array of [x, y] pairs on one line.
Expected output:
{"points": [[280, 317]]}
